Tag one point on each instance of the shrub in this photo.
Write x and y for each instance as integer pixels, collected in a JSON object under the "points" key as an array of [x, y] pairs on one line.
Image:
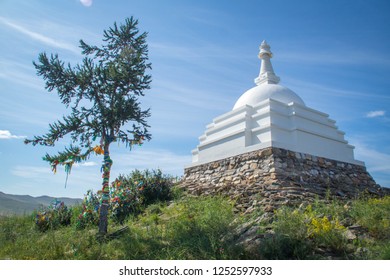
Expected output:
{"points": [[55, 215], [373, 214], [325, 230], [129, 194], [385, 251], [125, 198], [328, 233], [90, 210], [290, 222], [284, 247], [290, 238], [153, 185], [299, 231]]}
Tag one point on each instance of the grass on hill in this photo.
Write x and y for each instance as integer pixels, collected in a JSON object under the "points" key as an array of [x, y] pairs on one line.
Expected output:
{"points": [[359, 229], [203, 227]]}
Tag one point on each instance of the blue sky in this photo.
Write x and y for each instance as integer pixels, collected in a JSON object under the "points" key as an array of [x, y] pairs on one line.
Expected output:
{"points": [[333, 54]]}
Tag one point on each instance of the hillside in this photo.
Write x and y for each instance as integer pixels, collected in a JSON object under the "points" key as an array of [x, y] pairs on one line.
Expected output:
{"points": [[195, 228], [11, 204], [161, 220]]}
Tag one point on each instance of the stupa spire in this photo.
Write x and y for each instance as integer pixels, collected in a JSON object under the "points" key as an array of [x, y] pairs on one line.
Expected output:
{"points": [[267, 74]]}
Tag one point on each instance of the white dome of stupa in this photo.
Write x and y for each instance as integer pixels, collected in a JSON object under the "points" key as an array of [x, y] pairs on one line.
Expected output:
{"points": [[267, 85], [262, 92]]}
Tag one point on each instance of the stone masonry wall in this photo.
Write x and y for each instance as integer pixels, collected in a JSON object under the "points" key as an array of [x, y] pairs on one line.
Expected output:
{"points": [[272, 177]]}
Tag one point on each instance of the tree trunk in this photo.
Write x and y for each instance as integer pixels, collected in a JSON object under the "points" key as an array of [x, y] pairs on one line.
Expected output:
{"points": [[103, 213]]}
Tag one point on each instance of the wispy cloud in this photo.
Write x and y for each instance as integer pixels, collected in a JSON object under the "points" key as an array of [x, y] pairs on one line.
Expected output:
{"points": [[332, 100], [19, 74], [53, 42], [6, 134], [339, 57], [375, 160], [330, 91], [195, 98], [208, 56], [374, 114]]}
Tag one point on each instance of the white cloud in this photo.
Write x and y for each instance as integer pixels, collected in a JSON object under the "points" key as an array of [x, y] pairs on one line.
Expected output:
{"points": [[86, 164], [86, 3], [39, 37], [374, 114], [326, 90], [31, 172], [168, 161], [6, 134]]}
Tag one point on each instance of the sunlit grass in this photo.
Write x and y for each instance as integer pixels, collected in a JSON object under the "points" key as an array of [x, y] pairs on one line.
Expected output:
{"points": [[196, 227]]}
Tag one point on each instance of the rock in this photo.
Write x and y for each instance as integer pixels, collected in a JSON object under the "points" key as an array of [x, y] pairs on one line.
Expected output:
{"points": [[267, 217], [361, 252], [265, 153], [347, 222], [340, 193], [269, 208], [349, 235], [348, 205], [355, 227], [249, 210], [314, 172]]}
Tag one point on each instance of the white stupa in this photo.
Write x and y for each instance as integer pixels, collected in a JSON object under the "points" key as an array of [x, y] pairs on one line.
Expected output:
{"points": [[271, 115]]}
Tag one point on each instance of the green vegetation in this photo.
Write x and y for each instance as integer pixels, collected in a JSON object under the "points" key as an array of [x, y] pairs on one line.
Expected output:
{"points": [[359, 229], [187, 229], [172, 225], [56, 215], [129, 195]]}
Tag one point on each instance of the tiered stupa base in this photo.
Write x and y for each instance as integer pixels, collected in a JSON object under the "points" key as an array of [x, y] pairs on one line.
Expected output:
{"points": [[272, 177]]}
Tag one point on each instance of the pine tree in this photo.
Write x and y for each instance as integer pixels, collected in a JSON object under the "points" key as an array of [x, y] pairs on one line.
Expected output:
{"points": [[102, 93]]}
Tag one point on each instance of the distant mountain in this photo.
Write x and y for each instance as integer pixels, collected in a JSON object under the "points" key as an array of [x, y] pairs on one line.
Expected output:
{"points": [[11, 204]]}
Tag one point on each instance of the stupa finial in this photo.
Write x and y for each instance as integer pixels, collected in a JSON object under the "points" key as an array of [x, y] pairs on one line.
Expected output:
{"points": [[267, 74]]}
